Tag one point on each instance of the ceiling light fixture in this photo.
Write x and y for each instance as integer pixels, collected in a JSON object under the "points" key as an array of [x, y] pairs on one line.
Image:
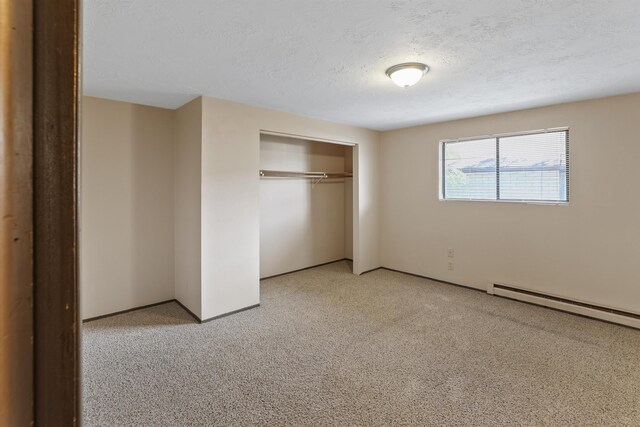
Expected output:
{"points": [[407, 74]]}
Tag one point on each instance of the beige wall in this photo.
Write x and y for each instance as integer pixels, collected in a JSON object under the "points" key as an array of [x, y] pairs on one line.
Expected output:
{"points": [[231, 197], [587, 251], [205, 156], [187, 164], [126, 206], [302, 223]]}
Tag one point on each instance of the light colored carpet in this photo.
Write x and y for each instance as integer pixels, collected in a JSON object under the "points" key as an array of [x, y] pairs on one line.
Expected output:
{"points": [[330, 348]]}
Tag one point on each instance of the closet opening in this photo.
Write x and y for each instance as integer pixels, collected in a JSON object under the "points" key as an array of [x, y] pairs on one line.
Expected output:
{"points": [[306, 203]]}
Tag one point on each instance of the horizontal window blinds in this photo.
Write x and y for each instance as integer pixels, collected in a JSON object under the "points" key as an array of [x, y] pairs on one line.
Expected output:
{"points": [[470, 169], [533, 167], [523, 167]]}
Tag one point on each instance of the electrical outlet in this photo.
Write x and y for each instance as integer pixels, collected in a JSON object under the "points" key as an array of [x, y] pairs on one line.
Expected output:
{"points": [[450, 266], [450, 252]]}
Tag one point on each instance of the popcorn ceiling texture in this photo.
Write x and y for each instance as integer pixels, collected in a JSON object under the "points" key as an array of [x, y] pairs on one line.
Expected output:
{"points": [[326, 59], [330, 348]]}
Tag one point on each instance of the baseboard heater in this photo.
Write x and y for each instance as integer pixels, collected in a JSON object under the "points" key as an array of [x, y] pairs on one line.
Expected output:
{"points": [[576, 307]]}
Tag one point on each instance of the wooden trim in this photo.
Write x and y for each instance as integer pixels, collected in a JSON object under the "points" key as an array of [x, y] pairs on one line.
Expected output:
{"points": [[16, 226], [433, 280], [303, 269], [55, 261], [220, 316], [306, 138], [91, 319], [167, 302], [191, 313], [115, 313]]}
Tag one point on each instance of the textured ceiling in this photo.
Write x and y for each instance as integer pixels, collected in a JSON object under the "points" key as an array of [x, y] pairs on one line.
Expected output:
{"points": [[327, 59]]}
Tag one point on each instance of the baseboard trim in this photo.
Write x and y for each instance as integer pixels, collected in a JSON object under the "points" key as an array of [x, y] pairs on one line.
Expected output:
{"points": [[229, 313], [371, 271], [303, 269], [90, 319], [191, 313], [435, 280]]}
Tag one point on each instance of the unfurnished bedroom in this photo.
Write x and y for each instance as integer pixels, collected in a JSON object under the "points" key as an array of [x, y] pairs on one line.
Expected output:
{"points": [[343, 213]]}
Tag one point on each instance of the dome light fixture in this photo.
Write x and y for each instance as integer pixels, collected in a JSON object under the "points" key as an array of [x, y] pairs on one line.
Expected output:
{"points": [[407, 74]]}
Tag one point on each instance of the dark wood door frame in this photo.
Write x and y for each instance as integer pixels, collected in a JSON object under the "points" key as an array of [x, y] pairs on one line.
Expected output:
{"points": [[16, 226], [39, 82], [55, 176]]}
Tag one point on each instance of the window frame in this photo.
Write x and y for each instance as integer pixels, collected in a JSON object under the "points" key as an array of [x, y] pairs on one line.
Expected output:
{"points": [[441, 169]]}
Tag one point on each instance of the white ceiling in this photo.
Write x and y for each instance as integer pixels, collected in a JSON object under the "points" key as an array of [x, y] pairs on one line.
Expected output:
{"points": [[327, 59]]}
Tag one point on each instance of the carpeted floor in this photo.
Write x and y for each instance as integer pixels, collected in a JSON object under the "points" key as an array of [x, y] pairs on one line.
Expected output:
{"points": [[330, 348]]}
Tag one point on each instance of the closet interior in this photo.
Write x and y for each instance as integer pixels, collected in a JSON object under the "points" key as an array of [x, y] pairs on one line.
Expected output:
{"points": [[306, 203]]}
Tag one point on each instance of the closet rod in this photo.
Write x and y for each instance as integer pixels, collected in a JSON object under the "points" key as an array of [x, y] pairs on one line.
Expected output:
{"points": [[311, 175]]}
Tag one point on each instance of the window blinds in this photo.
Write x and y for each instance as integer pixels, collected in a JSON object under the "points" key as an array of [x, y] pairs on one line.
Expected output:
{"points": [[522, 167]]}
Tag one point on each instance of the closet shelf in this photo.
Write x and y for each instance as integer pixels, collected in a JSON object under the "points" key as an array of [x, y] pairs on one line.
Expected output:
{"points": [[309, 175]]}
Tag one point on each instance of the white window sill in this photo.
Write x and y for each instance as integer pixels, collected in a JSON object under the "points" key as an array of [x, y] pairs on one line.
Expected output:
{"points": [[522, 202]]}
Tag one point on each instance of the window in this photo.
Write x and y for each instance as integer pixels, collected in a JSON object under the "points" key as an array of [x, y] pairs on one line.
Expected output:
{"points": [[531, 167]]}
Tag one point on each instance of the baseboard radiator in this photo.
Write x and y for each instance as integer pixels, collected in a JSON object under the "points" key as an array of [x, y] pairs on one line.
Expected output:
{"points": [[570, 306]]}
